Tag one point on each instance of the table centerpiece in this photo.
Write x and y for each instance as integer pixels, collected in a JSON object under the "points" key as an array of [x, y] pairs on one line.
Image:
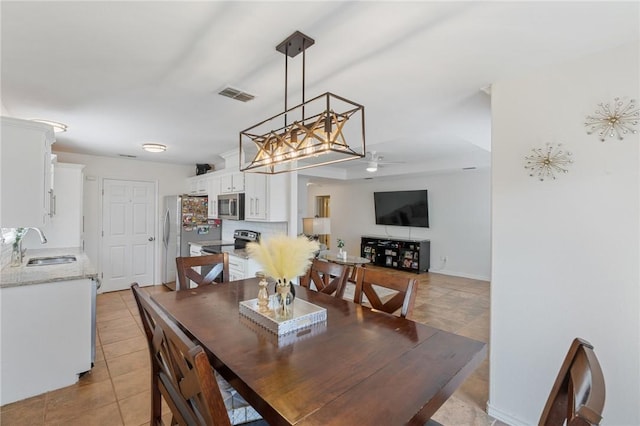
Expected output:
{"points": [[283, 258]]}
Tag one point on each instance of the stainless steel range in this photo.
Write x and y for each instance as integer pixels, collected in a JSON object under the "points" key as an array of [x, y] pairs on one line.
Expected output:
{"points": [[242, 237], [240, 265]]}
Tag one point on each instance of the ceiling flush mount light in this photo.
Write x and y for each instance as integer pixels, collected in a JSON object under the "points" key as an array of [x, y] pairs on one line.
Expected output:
{"points": [[372, 166], [615, 119], [57, 127], [154, 147], [311, 134]]}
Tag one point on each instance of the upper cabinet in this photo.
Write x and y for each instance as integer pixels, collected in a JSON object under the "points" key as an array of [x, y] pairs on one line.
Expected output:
{"points": [[232, 183], [65, 227], [25, 183], [266, 197], [198, 185]]}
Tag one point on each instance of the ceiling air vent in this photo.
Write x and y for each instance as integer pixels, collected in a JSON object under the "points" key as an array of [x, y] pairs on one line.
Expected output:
{"points": [[128, 156], [236, 94]]}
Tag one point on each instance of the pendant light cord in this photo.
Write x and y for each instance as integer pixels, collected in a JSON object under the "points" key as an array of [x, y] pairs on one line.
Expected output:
{"points": [[286, 81], [286, 78], [304, 62]]}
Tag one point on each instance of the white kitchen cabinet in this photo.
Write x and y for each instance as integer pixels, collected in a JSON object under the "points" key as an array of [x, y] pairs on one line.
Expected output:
{"points": [[255, 197], [65, 226], [46, 337], [237, 267], [195, 249], [213, 192], [197, 185], [25, 153], [232, 183], [241, 268], [266, 197]]}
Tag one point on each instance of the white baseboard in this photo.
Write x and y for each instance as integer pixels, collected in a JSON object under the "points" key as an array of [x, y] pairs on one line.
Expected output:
{"points": [[504, 417], [460, 274]]}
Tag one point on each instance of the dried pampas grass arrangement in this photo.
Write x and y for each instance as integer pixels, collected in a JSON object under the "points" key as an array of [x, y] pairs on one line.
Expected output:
{"points": [[284, 257]]}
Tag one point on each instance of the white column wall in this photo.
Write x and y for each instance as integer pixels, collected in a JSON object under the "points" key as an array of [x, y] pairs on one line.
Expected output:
{"points": [[565, 252]]}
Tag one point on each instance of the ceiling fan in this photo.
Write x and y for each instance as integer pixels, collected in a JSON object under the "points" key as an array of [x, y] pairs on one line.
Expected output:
{"points": [[374, 160]]}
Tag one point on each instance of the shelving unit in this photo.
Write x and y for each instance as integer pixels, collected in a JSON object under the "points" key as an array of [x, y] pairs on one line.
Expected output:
{"points": [[406, 255]]}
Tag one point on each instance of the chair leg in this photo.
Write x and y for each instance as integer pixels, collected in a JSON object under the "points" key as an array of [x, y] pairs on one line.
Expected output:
{"points": [[156, 401]]}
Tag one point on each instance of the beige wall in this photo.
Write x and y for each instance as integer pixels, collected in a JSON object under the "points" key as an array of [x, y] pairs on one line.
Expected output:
{"points": [[459, 217]]}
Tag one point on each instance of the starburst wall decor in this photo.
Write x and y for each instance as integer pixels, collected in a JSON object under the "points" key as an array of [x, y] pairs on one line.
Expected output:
{"points": [[617, 118], [546, 163]]}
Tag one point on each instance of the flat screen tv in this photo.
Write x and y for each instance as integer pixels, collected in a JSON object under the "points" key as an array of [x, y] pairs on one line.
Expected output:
{"points": [[402, 208]]}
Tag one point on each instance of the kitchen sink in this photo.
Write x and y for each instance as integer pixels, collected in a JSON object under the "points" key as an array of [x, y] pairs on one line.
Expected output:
{"points": [[53, 260]]}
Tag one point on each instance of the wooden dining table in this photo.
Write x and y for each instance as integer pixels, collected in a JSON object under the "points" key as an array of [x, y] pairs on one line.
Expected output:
{"points": [[360, 367]]}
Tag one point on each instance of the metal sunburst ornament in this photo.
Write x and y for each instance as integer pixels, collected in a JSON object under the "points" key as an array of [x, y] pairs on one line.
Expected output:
{"points": [[616, 118], [546, 163]]}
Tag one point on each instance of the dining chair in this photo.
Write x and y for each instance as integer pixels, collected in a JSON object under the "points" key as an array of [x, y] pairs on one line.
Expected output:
{"points": [[326, 277], [400, 291], [578, 394], [214, 264], [180, 371]]}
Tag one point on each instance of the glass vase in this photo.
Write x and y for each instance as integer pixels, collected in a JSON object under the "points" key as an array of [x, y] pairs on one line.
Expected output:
{"points": [[342, 253], [284, 300]]}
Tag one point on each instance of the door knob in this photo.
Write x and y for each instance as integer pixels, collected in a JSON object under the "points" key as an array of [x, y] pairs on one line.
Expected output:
{"points": [[152, 239]]}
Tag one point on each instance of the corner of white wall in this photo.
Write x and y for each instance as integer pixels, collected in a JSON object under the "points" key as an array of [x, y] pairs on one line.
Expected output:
{"points": [[564, 251]]}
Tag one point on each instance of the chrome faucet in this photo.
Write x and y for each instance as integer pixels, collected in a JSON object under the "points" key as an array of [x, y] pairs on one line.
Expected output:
{"points": [[43, 240]]}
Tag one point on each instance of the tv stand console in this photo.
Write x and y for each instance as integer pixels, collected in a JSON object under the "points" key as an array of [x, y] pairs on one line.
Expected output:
{"points": [[406, 255]]}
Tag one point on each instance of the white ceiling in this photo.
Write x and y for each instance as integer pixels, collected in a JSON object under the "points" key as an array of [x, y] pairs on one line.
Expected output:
{"points": [[123, 73]]}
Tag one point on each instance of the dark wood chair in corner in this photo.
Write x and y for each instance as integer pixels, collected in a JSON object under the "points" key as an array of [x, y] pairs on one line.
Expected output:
{"points": [[326, 277], [578, 394], [371, 282], [180, 371], [216, 264]]}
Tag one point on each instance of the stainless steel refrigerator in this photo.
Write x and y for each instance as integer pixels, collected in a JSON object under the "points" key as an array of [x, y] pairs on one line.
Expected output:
{"points": [[185, 221]]}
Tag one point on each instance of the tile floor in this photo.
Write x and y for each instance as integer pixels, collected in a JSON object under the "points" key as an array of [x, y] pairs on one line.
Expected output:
{"points": [[116, 391]]}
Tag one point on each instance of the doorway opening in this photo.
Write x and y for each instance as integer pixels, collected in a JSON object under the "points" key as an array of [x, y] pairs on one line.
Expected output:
{"points": [[323, 210]]}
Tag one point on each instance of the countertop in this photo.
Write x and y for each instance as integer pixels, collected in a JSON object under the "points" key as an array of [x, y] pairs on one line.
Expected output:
{"points": [[28, 275], [211, 243], [225, 246], [242, 253]]}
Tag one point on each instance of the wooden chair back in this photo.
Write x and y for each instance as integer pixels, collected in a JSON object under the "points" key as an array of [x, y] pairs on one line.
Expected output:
{"points": [[405, 291], [180, 371], [326, 277], [185, 265], [578, 393]]}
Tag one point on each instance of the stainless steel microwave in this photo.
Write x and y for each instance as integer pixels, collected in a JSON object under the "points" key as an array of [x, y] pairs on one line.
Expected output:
{"points": [[231, 206]]}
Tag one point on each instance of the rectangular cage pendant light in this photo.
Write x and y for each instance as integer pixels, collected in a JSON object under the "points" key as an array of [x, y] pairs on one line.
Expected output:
{"points": [[324, 130]]}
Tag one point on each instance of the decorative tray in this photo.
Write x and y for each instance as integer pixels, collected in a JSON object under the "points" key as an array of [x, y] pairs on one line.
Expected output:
{"points": [[285, 339], [305, 314]]}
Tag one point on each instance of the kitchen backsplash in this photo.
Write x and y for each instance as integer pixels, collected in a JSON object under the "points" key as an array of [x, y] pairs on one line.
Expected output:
{"points": [[5, 255], [266, 229]]}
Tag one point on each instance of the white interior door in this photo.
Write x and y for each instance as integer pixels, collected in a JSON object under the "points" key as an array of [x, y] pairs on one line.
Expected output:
{"points": [[128, 231]]}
